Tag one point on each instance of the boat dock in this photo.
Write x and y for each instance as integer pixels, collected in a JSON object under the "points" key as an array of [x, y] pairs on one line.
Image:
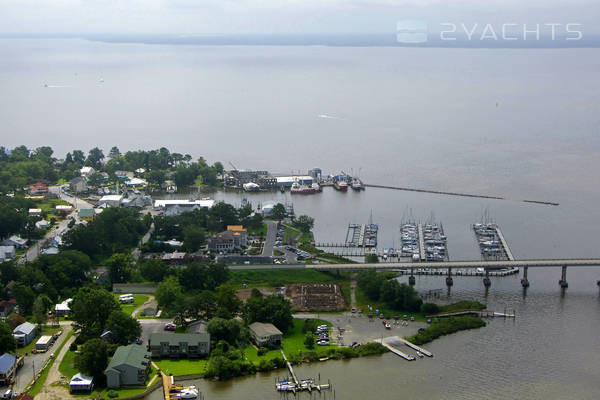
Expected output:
{"points": [[479, 313], [415, 347], [394, 339], [294, 385], [355, 236], [491, 242], [509, 254], [421, 241], [172, 391]]}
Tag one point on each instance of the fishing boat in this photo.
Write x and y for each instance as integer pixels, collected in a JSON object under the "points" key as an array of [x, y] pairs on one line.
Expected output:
{"points": [[304, 189], [251, 187], [356, 184]]}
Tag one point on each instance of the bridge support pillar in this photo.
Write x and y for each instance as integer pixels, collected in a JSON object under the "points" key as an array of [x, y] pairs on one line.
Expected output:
{"points": [[486, 281], [563, 278], [525, 281], [449, 280]]}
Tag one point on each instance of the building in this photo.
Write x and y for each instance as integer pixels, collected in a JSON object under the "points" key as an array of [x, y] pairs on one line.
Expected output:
{"points": [[179, 345], [78, 185], [7, 253], [62, 209], [136, 201], [240, 235], [38, 188], [81, 383], [87, 171], [124, 174], [86, 214], [288, 181], [136, 182], [24, 333], [35, 212], [44, 343], [16, 241], [111, 200], [265, 335], [129, 366], [8, 366], [6, 307], [177, 207], [234, 238], [42, 224], [62, 309]]}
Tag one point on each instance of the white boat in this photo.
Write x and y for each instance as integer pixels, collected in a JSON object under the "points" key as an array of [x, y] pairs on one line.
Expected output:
{"points": [[251, 187], [190, 392]]}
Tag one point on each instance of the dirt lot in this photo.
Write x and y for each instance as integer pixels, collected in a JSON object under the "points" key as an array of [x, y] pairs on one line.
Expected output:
{"points": [[316, 297]]}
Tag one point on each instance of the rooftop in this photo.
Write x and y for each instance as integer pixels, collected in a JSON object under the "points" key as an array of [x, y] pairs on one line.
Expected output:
{"points": [[133, 355], [175, 338], [264, 329]]}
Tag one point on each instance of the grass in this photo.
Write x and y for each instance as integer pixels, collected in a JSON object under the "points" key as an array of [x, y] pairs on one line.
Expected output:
{"points": [[262, 231], [279, 277], [37, 386], [463, 306], [183, 367], [67, 365], [138, 300], [346, 291], [293, 340], [324, 256], [46, 330]]}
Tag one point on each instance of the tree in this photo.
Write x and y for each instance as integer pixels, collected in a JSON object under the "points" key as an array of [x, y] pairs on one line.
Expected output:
{"points": [[218, 166], [78, 156], [94, 158], [93, 358], [193, 238], [309, 340], [114, 152], [304, 223], [224, 329], [168, 293], [123, 327], [91, 309], [278, 212], [229, 303], [119, 267], [25, 297], [7, 341], [274, 309], [154, 270], [39, 310]]}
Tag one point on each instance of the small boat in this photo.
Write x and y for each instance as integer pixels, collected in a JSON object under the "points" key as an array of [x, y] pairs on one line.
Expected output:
{"points": [[251, 187], [341, 185], [190, 392], [356, 184], [419, 354]]}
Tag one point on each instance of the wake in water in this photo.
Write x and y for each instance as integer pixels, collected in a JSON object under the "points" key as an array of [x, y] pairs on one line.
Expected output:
{"points": [[57, 86], [325, 116]]}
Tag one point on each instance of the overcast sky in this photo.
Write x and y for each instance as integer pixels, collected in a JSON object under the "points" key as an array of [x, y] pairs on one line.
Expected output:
{"points": [[279, 16]]}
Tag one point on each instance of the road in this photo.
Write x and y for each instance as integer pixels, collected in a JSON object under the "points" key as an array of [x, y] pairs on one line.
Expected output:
{"points": [[55, 392], [270, 239], [137, 251], [290, 256], [35, 362]]}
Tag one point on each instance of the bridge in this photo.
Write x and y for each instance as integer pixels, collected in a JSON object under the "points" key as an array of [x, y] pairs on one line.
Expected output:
{"points": [[449, 265]]}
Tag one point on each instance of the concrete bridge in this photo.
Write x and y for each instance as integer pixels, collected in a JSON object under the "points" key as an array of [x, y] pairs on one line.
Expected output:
{"points": [[450, 265]]}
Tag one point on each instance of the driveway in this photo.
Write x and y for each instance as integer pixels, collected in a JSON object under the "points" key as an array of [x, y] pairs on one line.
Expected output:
{"points": [[150, 326], [270, 239]]}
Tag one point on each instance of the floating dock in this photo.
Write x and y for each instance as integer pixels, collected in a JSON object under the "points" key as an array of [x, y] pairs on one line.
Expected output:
{"points": [[294, 385], [173, 391], [491, 242]]}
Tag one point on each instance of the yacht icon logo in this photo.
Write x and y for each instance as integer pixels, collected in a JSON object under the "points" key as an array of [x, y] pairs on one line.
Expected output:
{"points": [[411, 31]]}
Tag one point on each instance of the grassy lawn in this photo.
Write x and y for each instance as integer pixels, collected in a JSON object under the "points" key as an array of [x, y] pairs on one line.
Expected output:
{"points": [[262, 231], [293, 340], [182, 367], [46, 330], [138, 300], [279, 277], [346, 291], [67, 365], [37, 386]]}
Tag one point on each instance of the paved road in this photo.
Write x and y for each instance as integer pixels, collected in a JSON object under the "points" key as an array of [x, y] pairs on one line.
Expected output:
{"points": [[270, 239], [35, 362]]}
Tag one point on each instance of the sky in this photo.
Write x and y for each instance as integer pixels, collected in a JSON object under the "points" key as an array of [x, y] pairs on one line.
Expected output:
{"points": [[198, 17]]}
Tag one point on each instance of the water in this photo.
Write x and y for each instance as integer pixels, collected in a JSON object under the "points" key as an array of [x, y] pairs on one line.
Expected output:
{"points": [[515, 123]]}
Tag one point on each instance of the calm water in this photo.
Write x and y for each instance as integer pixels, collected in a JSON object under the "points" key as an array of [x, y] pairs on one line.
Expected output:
{"points": [[516, 123]]}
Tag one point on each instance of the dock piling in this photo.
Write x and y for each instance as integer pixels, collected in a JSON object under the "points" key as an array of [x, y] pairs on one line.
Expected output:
{"points": [[449, 280], [486, 281], [525, 281], [563, 278]]}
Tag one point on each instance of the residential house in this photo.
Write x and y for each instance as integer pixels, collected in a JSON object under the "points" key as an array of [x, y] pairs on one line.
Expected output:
{"points": [[16, 241], [129, 366], [78, 185], [124, 174], [176, 207], [42, 224], [62, 209], [62, 309], [38, 188], [111, 200], [8, 365], [177, 257], [6, 307], [136, 201], [87, 171], [24, 333], [7, 253], [50, 251], [35, 212], [86, 214], [265, 335], [179, 345], [81, 383]]}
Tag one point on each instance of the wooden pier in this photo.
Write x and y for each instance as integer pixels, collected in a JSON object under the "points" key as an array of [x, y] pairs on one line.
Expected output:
{"points": [[507, 251], [415, 347], [421, 242], [171, 390]]}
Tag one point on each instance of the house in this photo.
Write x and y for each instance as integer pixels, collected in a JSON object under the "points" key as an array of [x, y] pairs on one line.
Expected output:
{"points": [[50, 251], [38, 188], [240, 235], [6, 307], [87, 171], [81, 383], [7, 253], [44, 343], [16, 241], [234, 238], [62, 209], [62, 309], [265, 335], [42, 224], [35, 212], [8, 365], [111, 200], [129, 366], [78, 185], [179, 345], [86, 214], [177, 257], [24, 333], [137, 201], [136, 182]]}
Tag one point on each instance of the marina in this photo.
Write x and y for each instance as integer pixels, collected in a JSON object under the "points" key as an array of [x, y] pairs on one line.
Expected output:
{"points": [[292, 384], [491, 242]]}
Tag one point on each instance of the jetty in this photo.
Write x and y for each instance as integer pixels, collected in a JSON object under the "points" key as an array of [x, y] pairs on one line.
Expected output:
{"points": [[294, 385], [479, 313], [507, 251]]}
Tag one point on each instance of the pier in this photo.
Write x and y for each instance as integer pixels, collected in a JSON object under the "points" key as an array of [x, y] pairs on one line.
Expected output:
{"points": [[415, 347], [421, 242], [479, 313], [172, 391], [295, 385], [394, 350], [507, 251]]}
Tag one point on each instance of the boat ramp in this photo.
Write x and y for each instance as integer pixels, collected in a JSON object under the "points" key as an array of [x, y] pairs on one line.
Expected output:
{"points": [[393, 342]]}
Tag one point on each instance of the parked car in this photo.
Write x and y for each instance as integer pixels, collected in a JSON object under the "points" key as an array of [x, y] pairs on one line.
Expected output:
{"points": [[323, 343], [170, 327]]}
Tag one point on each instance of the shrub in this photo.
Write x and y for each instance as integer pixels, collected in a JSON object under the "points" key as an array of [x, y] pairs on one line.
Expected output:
{"points": [[112, 394], [73, 346], [430, 308]]}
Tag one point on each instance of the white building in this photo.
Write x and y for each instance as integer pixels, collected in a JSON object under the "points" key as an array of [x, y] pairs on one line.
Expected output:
{"points": [[86, 171], [42, 224], [111, 200], [7, 253], [176, 207], [288, 181]]}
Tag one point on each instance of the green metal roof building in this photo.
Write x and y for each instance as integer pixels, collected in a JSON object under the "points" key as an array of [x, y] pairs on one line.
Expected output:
{"points": [[129, 366]]}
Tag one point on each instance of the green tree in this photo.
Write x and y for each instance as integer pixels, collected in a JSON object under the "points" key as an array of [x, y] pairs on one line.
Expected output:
{"points": [[168, 293], [7, 341], [193, 238], [278, 212], [25, 297], [371, 258], [228, 303], [114, 152], [93, 358], [228, 330], [274, 309], [123, 327], [119, 267], [304, 223], [154, 270], [91, 308], [39, 310], [94, 158], [309, 340]]}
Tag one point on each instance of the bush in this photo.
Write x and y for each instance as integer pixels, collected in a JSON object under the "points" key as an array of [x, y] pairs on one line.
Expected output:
{"points": [[430, 308], [445, 327], [112, 394], [73, 346]]}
